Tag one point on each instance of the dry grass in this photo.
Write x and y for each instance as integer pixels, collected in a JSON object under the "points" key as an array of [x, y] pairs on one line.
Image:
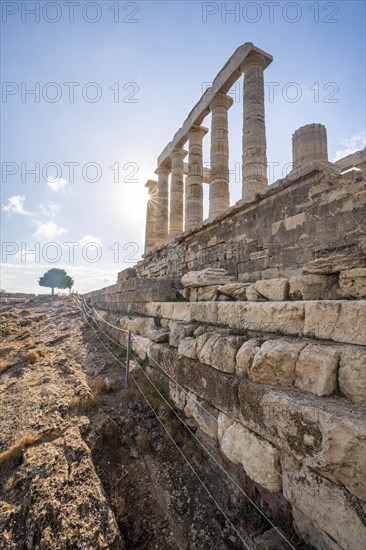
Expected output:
{"points": [[32, 356], [129, 394], [5, 365], [118, 504], [11, 457], [143, 441], [7, 349], [29, 343], [82, 403], [98, 384]]}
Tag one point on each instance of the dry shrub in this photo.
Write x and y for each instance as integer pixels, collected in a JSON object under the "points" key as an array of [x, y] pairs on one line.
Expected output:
{"points": [[32, 356], [129, 394], [42, 352], [98, 384], [29, 342], [11, 457], [82, 403]]}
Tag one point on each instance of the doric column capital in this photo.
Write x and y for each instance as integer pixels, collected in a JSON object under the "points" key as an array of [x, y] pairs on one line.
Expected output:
{"points": [[197, 131], [254, 58], [162, 170], [178, 154], [151, 185], [221, 100]]}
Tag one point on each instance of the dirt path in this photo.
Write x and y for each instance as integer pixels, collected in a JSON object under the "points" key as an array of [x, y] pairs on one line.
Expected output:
{"points": [[85, 463]]}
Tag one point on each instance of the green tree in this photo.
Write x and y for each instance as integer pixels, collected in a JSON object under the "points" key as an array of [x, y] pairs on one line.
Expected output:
{"points": [[56, 278]]}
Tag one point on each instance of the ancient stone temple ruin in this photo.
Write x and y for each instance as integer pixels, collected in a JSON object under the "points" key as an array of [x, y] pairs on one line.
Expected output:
{"points": [[256, 316]]}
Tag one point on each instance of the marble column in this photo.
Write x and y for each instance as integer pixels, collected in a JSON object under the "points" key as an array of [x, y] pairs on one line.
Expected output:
{"points": [[194, 189], [254, 164], [150, 229], [219, 179], [176, 192], [162, 207]]}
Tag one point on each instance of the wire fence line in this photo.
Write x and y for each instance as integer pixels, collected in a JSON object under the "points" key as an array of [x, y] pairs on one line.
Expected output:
{"points": [[184, 424], [248, 544], [189, 394], [360, 543]]}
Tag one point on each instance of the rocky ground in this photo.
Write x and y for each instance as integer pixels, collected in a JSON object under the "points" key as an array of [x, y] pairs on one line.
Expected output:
{"points": [[86, 464]]}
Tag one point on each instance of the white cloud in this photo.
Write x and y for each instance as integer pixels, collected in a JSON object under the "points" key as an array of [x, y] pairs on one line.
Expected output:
{"points": [[89, 239], [56, 183], [49, 210], [49, 230], [16, 206], [350, 145]]}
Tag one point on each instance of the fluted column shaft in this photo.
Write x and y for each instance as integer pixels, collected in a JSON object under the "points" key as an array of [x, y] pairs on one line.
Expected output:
{"points": [[219, 179], [176, 193], [254, 129], [150, 229], [194, 189], [162, 218]]}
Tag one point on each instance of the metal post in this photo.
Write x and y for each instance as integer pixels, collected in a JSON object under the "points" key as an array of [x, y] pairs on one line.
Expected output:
{"points": [[128, 359]]}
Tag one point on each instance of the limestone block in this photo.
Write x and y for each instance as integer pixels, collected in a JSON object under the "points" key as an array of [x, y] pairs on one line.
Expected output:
{"points": [[207, 293], [284, 317], [185, 293], [340, 321], [204, 312], [323, 512], [128, 273], [179, 331], [237, 291], [218, 388], [203, 414], [193, 294], [165, 310], [260, 459], [311, 533], [353, 283], [245, 356], [153, 309], [274, 363], [313, 287], [181, 312], [328, 436], [206, 277], [219, 350], [316, 370], [187, 347], [252, 295], [157, 335], [352, 375], [202, 329], [177, 394], [141, 346], [273, 289]]}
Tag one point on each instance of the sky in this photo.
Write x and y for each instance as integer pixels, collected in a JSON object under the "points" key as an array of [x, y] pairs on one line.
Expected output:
{"points": [[92, 92]]}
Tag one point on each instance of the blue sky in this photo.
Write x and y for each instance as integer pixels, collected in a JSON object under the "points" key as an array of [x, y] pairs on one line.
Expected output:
{"points": [[111, 93]]}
